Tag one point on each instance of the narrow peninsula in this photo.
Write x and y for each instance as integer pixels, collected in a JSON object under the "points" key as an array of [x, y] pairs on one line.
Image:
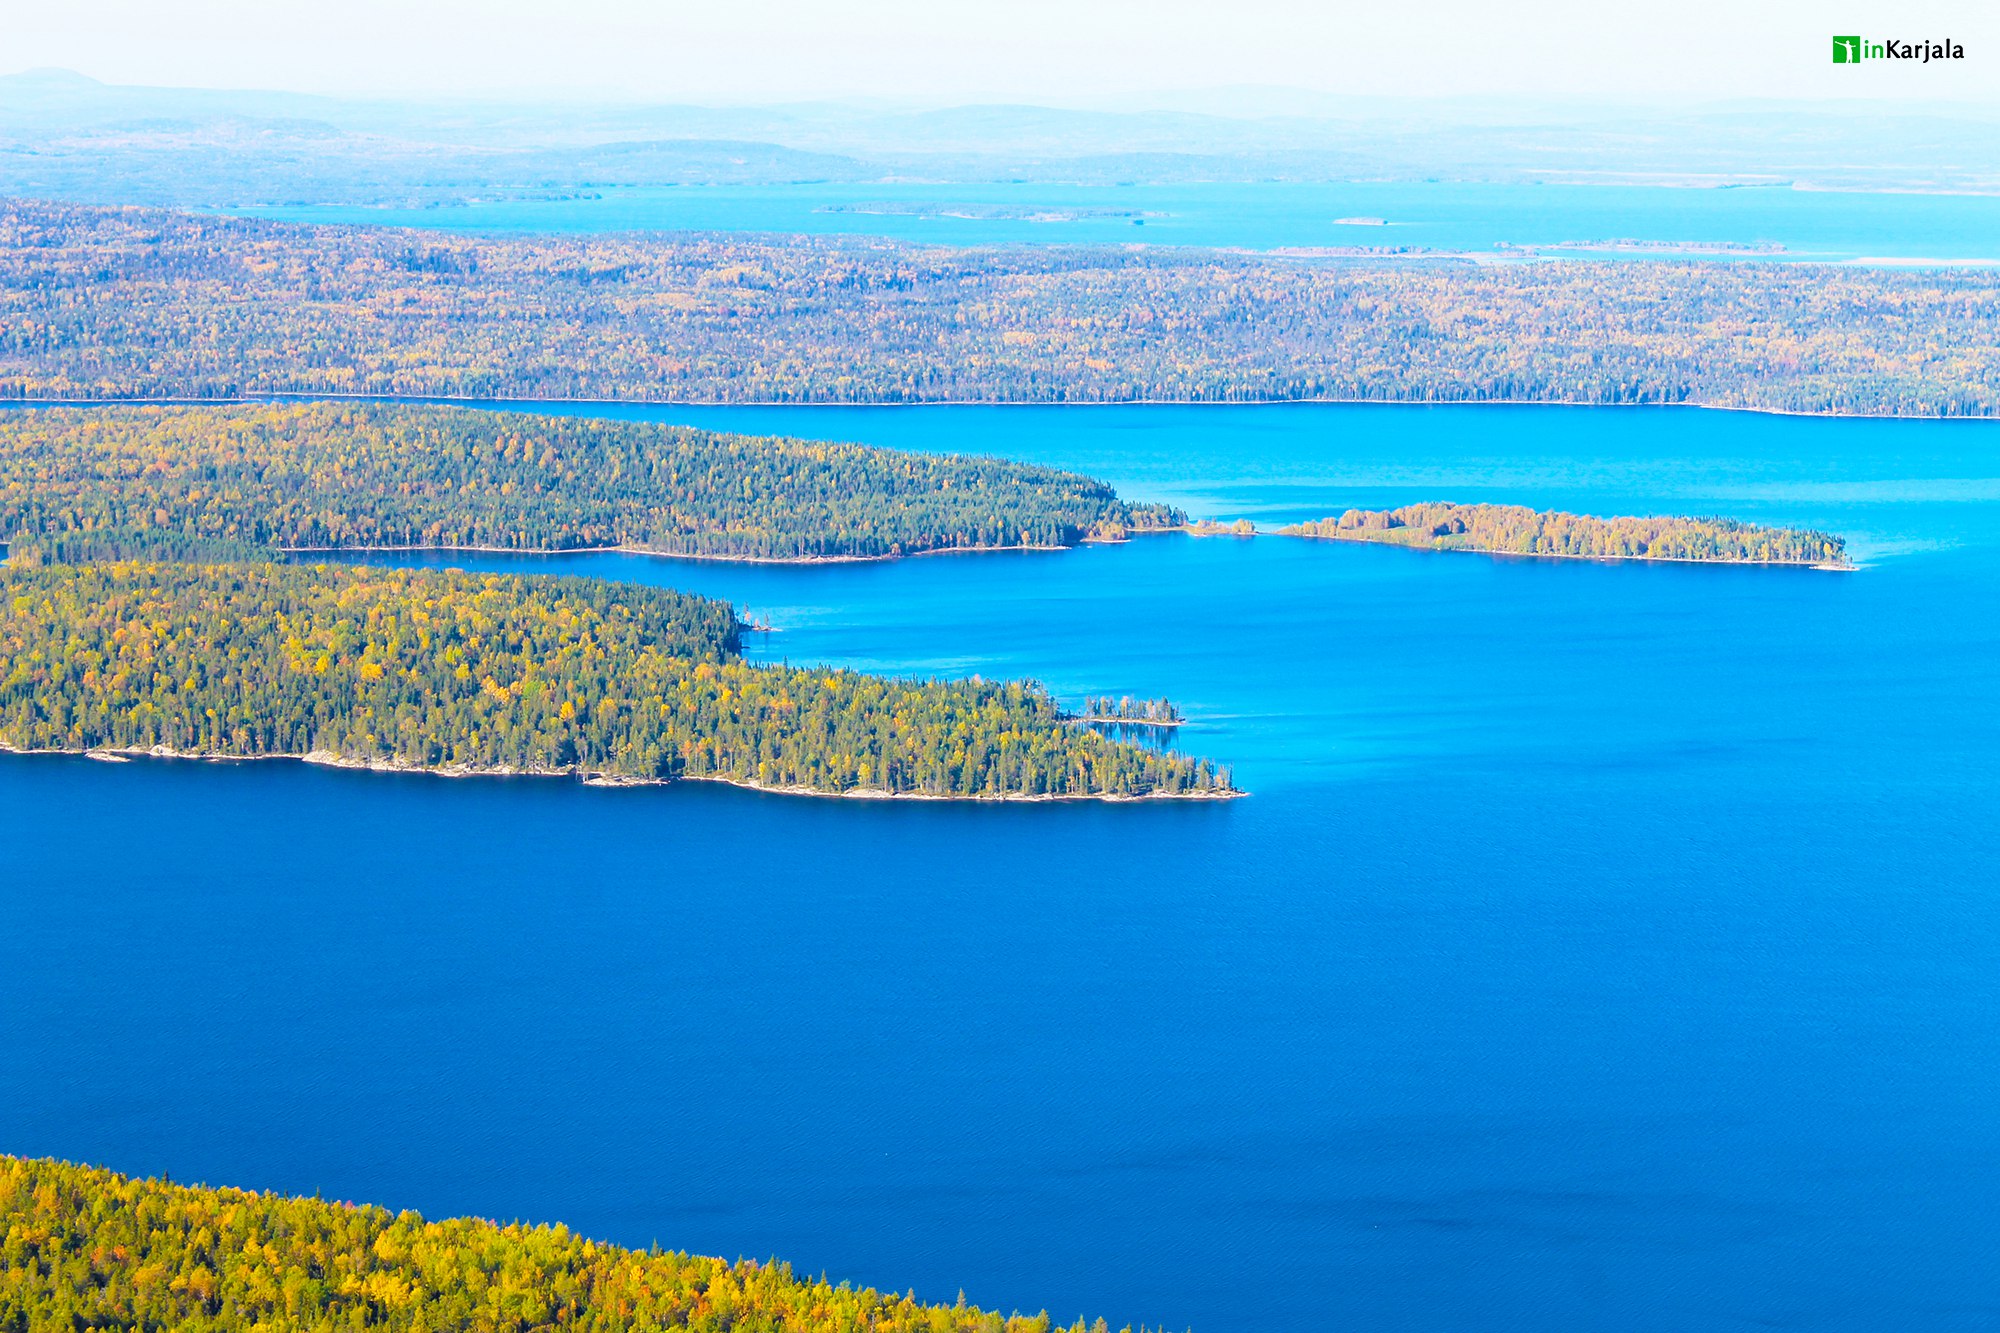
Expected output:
{"points": [[449, 672], [87, 1248], [1517, 530], [249, 481]]}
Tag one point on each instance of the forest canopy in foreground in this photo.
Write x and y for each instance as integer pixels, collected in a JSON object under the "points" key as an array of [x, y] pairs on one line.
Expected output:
{"points": [[81, 1247], [456, 672], [1518, 530], [138, 303], [239, 481]]}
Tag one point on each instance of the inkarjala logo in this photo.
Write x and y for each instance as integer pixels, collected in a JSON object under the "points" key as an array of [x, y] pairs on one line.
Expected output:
{"points": [[1854, 50]]}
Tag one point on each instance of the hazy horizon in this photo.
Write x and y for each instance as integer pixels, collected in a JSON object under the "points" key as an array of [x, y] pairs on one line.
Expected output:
{"points": [[65, 133], [765, 51], [1223, 103], [1235, 101]]}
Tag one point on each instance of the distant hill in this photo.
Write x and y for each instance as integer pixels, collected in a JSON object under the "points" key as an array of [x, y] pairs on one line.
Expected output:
{"points": [[66, 136]]}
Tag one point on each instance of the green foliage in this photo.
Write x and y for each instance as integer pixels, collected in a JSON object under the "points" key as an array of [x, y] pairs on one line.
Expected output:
{"points": [[101, 302], [463, 672], [83, 1248], [232, 483], [79, 545], [1518, 530]]}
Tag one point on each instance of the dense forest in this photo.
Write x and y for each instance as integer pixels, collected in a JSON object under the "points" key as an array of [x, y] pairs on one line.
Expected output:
{"points": [[439, 669], [229, 482], [105, 302], [1518, 530], [83, 1248]]}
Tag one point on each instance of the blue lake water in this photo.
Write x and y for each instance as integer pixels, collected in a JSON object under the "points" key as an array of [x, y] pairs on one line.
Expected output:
{"points": [[1604, 947], [1437, 215]]}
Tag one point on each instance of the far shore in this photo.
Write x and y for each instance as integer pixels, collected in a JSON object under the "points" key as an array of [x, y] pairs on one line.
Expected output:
{"points": [[523, 404], [588, 777]]}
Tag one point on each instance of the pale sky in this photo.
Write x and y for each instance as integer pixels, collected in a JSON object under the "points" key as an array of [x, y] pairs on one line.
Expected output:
{"points": [[1064, 51]]}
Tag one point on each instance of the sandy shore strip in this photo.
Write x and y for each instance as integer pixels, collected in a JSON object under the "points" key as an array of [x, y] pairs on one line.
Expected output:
{"points": [[692, 555]]}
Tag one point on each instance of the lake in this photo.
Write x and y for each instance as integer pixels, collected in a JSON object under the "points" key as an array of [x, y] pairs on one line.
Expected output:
{"points": [[1438, 215], [1604, 947]]}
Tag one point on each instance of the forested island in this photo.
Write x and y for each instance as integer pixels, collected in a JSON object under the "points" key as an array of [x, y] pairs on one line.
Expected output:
{"points": [[458, 673], [244, 481], [83, 1248], [1518, 530], [142, 303]]}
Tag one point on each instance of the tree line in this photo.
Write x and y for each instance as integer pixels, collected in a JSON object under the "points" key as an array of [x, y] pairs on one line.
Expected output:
{"points": [[1124, 708], [84, 1248], [123, 302], [1519, 530], [236, 482], [444, 670]]}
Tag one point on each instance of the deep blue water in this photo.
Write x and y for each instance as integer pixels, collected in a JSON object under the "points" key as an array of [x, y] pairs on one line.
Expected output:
{"points": [[1439, 215], [1604, 947]]}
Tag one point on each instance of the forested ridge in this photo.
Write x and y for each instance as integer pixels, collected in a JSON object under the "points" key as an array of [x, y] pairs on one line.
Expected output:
{"points": [[236, 481], [125, 303], [1519, 530], [84, 1248], [444, 670]]}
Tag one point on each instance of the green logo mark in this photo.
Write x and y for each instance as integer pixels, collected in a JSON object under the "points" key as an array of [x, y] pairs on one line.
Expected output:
{"points": [[1847, 50]]}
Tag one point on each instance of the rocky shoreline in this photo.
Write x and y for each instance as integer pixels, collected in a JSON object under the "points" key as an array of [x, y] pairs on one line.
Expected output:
{"points": [[588, 777]]}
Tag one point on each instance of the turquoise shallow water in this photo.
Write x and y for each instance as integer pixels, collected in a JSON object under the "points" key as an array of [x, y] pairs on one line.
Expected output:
{"points": [[1604, 947], [1437, 215]]}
